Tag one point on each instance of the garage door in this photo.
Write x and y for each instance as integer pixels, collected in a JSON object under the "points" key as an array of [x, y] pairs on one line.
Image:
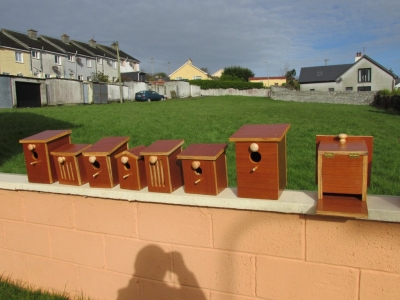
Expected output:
{"points": [[28, 94]]}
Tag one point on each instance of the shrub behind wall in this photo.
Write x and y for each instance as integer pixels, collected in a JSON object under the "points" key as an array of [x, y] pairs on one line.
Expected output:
{"points": [[388, 99], [216, 84]]}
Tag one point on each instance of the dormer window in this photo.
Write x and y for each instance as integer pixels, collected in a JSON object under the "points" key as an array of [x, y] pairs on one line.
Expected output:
{"points": [[319, 73]]}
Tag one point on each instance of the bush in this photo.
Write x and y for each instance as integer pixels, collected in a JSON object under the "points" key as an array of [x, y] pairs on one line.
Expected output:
{"points": [[214, 84], [388, 99]]}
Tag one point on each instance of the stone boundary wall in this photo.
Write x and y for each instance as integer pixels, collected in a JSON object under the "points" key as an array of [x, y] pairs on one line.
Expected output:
{"points": [[113, 249], [350, 97], [235, 92]]}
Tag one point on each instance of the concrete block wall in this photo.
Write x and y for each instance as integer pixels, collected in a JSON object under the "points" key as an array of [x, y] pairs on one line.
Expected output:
{"points": [[111, 249], [64, 91], [349, 97]]}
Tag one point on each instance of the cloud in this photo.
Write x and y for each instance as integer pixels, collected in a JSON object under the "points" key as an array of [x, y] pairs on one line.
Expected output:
{"points": [[217, 34]]}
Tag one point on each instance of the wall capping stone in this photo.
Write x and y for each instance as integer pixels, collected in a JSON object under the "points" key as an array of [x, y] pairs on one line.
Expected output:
{"points": [[380, 207]]}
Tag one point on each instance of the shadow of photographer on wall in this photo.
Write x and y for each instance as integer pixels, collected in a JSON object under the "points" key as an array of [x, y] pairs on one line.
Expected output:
{"points": [[154, 277]]}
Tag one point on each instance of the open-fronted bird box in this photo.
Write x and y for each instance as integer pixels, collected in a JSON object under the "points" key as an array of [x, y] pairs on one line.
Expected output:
{"points": [[131, 169], [68, 160], [39, 164], [343, 174], [163, 169], [100, 163], [204, 168], [261, 160]]}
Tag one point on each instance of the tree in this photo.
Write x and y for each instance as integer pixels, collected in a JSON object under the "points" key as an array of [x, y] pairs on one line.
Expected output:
{"points": [[291, 81], [236, 73], [285, 69], [99, 77], [206, 71]]}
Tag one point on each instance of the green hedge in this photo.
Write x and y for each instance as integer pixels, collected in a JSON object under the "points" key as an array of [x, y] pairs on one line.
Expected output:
{"points": [[216, 84], [388, 100]]}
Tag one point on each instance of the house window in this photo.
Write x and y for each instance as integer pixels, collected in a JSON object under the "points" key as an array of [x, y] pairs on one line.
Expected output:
{"points": [[46, 75], [57, 59], [349, 88], [319, 73], [122, 63], [114, 79], [19, 57], [197, 77], [114, 64], [99, 61], [80, 77], [364, 75], [178, 78], [364, 89], [89, 78], [35, 54], [331, 89], [88, 62], [312, 90], [276, 84], [70, 58]]}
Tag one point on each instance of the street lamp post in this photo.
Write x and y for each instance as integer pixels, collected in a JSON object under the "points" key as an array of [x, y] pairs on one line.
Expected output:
{"points": [[267, 73]]}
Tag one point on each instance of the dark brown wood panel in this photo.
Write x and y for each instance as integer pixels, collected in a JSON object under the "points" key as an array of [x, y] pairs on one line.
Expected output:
{"points": [[196, 183], [221, 173], [263, 183], [99, 174], [342, 206], [329, 138], [342, 175]]}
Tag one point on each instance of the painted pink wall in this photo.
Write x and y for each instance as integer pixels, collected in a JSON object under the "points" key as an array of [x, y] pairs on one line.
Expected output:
{"points": [[111, 249]]}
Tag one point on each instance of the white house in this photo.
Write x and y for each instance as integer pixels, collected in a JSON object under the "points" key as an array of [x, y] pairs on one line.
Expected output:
{"points": [[364, 74]]}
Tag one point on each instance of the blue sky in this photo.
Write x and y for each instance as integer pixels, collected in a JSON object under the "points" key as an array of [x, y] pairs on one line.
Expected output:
{"points": [[264, 36]]}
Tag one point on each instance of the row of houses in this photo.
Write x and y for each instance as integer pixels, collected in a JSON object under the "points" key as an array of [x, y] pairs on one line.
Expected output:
{"points": [[40, 56], [364, 74]]}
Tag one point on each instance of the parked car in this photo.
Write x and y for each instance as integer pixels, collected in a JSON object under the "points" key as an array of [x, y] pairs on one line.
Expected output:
{"points": [[149, 96]]}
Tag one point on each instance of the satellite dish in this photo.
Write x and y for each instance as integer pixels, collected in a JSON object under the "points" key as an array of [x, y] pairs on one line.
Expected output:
{"points": [[55, 68]]}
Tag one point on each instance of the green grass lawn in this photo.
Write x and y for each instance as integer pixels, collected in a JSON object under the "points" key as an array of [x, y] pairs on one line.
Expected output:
{"points": [[214, 120], [14, 291]]}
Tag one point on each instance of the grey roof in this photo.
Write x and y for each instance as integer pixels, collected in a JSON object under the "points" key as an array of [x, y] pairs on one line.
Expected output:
{"points": [[322, 73], [5, 41], [32, 43], [122, 54], [70, 48], [97, 51]]}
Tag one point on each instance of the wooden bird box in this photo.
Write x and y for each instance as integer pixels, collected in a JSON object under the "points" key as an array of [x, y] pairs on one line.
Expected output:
{"points": [[343, 173], [100, 163], [261, 160], [39, 164], [131, 169], [163, 169], [204, 168], [68, 161]]}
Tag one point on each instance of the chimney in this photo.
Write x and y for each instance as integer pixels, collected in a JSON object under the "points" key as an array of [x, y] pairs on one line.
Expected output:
{"points": [[32, 34], [92, 43], [65, 38], [190, 61], [358, 56]]}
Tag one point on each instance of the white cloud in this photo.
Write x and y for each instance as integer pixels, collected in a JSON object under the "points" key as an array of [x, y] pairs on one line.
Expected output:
{"points": [[217, 34]]}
